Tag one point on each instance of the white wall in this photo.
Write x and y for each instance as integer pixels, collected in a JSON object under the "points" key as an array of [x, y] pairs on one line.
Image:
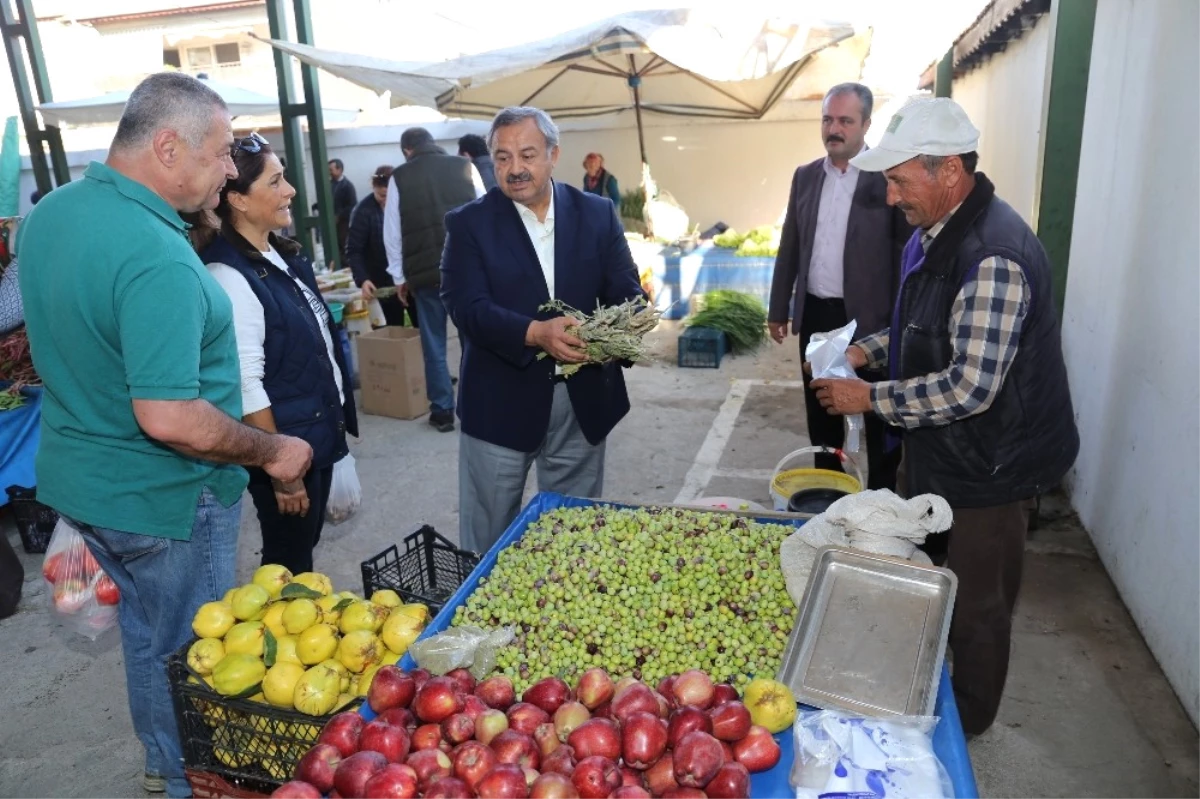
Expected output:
{"points": [[1004, 97], [1130, 327]]}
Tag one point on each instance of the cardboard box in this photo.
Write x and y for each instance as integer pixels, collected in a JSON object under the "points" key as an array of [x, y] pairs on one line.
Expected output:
{"points": [[391, 372]]}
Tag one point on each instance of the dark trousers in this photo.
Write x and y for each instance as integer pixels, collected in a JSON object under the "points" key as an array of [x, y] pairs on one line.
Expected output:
{"points": [[986, 550], [289, 540], [394, 311], [826, 430]]}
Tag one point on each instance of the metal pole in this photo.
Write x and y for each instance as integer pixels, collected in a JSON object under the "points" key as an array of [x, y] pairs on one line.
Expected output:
{"points": [[41, 82], [635, 81], [292, 141], [944, 77], [316, 140], [15, 29]]}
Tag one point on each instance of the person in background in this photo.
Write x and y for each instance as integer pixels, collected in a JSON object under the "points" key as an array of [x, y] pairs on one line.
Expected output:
{"points": [[428, 185], [140, 423], [598, 180], [839, 259], [293, 376], [976, 378], [474, 146], [506, 256], [344, 200], [366, 254]]}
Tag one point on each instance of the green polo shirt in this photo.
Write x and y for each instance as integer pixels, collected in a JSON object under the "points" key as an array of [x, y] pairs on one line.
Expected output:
{"points": [[119, 307]]}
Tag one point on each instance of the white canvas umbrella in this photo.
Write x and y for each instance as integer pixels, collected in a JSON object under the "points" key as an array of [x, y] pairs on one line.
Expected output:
{"points": [[682, 62], [106, 109]]}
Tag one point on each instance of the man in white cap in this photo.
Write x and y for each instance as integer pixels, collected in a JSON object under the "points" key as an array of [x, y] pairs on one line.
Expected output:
{"points": [[977, 388]]}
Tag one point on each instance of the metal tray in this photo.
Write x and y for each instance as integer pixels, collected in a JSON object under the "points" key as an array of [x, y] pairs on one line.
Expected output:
{"points": [[870, 634]]}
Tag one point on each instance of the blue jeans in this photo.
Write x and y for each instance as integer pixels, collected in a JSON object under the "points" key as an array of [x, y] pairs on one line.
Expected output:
{"points": [[432, 314], [162, 583]]}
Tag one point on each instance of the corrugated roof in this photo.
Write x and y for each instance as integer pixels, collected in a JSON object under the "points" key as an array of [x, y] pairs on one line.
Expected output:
{"points": [[171, 11], [1000, 22]]}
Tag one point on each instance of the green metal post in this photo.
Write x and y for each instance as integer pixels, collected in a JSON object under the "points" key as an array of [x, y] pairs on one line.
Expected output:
{"points": [[291, 110], [944, 77], [15, 28], [1075, 21]]}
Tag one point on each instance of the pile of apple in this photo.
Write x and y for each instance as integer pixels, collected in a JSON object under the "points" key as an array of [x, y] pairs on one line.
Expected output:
{"points": [[444, 737]]}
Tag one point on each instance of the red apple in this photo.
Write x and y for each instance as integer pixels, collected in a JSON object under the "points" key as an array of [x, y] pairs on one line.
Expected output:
{"points": [[472, 761], [334, 795], [631, 699], [630, 776], [560, 761], [548, 694], [420, 677], [473, 706], [553, 786], [387, 739], [496, 692], [664, 688], [427, 736], [352, 774], [685, 720], [449, 788], [505, 781], [546, 739], [517, 749], [524, 717], [665, 706], [732, 781], [693, 688], [630, 792], [595, 688], [318, 765], [724, 692], [660, 777], [437, 699], [624, 683], [390, 687], [603, 712], [490, 723], [596, 737], [431, 765], [685, 793], [297, 789], [727, 750], [758, 751], [400, 716], [596, 777], [393, 781], [464, 678], [569, 716], [730, 721], [696, 759], [343, 731], [458, 728], [643, 739]]}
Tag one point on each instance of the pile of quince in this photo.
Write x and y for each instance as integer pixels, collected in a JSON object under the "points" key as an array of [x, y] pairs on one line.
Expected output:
{"points": [[291, 641]]}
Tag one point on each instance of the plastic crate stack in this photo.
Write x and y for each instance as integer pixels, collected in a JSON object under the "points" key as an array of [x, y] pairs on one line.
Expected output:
{"points": [[429, 570], [701, 348]]}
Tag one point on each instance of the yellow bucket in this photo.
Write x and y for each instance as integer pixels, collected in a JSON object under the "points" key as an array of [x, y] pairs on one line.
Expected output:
{"points": [[786, 482]]}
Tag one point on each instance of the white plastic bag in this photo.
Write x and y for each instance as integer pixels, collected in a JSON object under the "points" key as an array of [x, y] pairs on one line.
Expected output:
{"points": [[467, 647], [78, 589], [840, 755], [826, 352], [345, 495]]}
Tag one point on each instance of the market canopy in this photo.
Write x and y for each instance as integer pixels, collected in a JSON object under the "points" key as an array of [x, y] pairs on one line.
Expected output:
{"points": [[107, 108], [683, 62]]}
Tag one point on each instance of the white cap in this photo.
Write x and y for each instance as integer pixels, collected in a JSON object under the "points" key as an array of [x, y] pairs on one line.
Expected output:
{"points": [[927, 126]]}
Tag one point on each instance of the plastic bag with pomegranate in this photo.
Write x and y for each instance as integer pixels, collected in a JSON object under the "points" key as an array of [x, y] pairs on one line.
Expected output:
{"points": [[78, 588]]}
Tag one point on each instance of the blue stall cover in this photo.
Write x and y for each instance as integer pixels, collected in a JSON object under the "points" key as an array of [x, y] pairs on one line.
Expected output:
{"points": [[20, 432], [948, 740]]}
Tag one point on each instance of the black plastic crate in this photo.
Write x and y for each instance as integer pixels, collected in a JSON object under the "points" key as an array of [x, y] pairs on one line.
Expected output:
{"points": [[35, 521], [701, 348], [429, 570], [252, 746]]}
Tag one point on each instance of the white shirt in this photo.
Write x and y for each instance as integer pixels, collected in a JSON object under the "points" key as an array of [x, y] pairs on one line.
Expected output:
{"points": [[541, 235], [250, 328], [825, 268], [392, 239]]}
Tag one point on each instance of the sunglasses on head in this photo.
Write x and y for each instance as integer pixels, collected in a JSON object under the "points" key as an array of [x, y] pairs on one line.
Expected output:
{"points": [[252, 144]]}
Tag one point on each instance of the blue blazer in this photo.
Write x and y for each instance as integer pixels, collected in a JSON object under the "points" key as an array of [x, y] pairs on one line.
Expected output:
{"points": [[492, 285]]}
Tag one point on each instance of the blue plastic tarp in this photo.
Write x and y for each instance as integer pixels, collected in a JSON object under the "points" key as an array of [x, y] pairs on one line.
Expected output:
{"points": [[948, 740], [20, 432]]}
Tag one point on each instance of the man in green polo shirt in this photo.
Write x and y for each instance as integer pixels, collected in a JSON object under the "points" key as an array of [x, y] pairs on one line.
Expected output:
{"points": [[140, 419]]}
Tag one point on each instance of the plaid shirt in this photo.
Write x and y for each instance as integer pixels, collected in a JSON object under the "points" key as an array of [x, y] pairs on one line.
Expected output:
{"points": [[986, 319]]}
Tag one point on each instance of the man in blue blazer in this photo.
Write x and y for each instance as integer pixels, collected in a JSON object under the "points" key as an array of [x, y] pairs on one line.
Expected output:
{"points": [[526, 241]]}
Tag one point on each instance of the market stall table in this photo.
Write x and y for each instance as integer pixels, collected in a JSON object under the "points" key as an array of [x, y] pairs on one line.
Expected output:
{"points": [[948, 740], [679, 275], [20, 432]]}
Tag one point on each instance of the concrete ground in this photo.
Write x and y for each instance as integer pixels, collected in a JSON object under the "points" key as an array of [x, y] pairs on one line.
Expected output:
{"points": [[1087, 712]]}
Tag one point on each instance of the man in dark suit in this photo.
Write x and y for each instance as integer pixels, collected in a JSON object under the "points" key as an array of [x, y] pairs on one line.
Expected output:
{"points": [[527, 241], [839, 259]]}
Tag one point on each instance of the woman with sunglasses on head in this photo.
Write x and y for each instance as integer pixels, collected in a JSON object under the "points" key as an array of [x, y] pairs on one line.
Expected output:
{"points": [[294, 378], [366, 254]]}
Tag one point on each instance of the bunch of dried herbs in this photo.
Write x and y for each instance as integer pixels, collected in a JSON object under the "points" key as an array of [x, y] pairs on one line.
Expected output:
{"points": [[614, 333]]}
